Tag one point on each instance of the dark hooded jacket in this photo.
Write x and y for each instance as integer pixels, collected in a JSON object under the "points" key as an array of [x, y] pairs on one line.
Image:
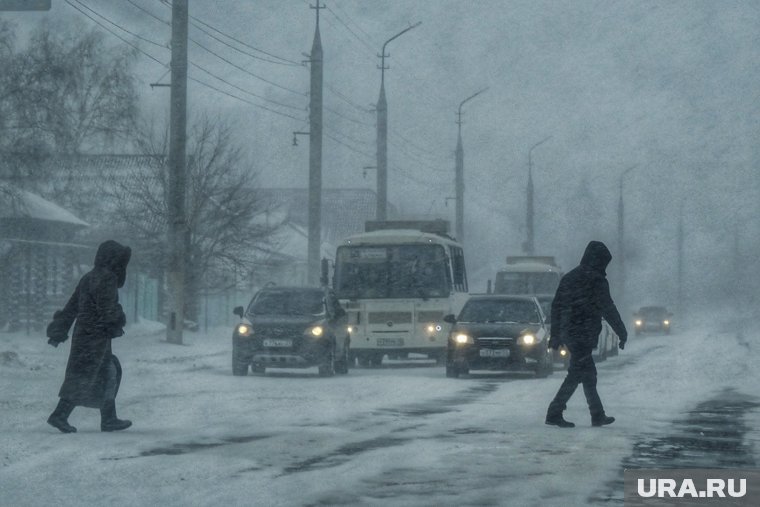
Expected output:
{"points": [[582, 300], [99, 318]]}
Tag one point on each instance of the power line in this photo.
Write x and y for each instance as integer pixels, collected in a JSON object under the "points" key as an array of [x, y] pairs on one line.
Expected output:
{"points": [[355, 150], [288, 106], [156, 60], [282, 87], [116, 34], [253, 48], [354, 120], [347, 100], [137, 36], [286, 115], [352, 32]]}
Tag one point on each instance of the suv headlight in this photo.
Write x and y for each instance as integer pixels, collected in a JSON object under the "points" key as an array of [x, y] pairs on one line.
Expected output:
{"points": [[244, 330], [528, 339], [462, 339], [316, 331]]}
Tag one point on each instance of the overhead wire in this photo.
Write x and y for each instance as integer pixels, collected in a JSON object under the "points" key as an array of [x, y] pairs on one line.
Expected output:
{"points": [[165, 65]]}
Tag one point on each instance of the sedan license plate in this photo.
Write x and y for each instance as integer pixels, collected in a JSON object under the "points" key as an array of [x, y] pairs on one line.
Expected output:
{"points": [[271, 342], [494, 352], [390, 342]]}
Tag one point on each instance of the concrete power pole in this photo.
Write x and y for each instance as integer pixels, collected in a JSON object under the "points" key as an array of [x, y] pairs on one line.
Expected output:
{"points": [[621, 234], [459, 171], [177, 175], [382, 135], [679, 250], [529, 245], [315, 156]]}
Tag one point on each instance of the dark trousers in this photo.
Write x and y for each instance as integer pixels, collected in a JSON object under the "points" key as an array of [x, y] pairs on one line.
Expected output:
{"points": [[581, 371]]}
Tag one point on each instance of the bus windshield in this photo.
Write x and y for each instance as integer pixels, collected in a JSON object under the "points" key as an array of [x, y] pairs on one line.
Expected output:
{"points": [[512, 282], [392, 271]]}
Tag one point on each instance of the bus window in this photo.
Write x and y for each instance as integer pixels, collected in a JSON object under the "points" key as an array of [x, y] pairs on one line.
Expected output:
{"points": [[460, 275]]}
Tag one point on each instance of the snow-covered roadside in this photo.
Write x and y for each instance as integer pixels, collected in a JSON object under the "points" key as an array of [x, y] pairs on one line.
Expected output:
{"points": [[404, 436]]}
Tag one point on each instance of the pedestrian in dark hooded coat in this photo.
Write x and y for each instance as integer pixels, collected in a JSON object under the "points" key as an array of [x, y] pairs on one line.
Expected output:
{"points": [[581, 302], [93, 372]]}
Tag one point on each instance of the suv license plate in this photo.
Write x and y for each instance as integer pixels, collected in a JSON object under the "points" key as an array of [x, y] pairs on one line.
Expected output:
{"points": [[494, 352], [269, 342], [390, 342]]}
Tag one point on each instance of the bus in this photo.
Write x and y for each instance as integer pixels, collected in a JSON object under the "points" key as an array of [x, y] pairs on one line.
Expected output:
{"points": [[397, 281], [528, 275]]}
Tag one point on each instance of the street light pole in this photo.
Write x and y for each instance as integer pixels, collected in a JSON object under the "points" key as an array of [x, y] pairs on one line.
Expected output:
{"points": [[382, 135], [621, 230], [529, 245], [459, 171]]}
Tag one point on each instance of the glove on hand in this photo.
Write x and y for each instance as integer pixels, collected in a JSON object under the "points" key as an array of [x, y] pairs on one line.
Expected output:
{"points": [[53, 342], [622, 344]]}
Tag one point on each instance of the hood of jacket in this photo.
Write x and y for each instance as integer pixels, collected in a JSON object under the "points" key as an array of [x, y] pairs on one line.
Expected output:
{"points": [[597, 256], [114, 257]]}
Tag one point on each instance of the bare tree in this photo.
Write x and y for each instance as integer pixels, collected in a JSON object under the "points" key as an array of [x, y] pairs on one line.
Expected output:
{"points": [[226, 221], [78, 91]]}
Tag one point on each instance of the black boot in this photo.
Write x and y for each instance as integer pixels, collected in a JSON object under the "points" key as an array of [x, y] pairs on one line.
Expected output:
{"points": [[108, 419], [59, 418], [558, 420], [602, 420]]}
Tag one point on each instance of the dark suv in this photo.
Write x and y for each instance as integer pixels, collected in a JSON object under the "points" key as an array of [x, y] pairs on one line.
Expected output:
{"points": [[499, 332], [291, 327], [652, 319]]}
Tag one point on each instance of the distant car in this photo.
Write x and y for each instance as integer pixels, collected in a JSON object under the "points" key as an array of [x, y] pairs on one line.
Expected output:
{"points": [[652, 319], [291, 327], [498, 332]]}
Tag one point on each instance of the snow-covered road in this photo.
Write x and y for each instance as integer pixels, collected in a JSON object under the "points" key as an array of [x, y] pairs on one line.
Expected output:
{"points": [[397, 435]]}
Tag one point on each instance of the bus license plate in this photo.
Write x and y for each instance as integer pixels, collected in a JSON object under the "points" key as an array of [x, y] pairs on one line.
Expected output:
{"points": [[494, 352], [390, 342], [271, 342]]}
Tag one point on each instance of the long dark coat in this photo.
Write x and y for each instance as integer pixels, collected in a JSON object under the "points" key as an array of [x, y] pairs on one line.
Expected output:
{"points": [[99, 318], [582, 300]]}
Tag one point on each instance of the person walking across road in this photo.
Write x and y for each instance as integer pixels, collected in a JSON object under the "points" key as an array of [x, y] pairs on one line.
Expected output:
{"points": [[93, 372], [581, 301]]}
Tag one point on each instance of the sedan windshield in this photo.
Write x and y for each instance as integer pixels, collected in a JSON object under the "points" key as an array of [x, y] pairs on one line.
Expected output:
{"points": [[287, 303], [494, 310]]}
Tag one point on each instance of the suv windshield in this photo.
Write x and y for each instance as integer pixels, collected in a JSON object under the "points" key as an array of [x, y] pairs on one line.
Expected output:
{"points": [[653, 312], [281, 302], [495, 310]]}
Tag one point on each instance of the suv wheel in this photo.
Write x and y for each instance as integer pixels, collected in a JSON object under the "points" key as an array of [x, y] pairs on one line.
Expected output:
{"points": [[452, 371], [239, 361], [327, 369]]}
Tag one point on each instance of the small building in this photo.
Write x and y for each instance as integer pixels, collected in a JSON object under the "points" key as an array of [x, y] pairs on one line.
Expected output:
{"points": [[39, 260]]}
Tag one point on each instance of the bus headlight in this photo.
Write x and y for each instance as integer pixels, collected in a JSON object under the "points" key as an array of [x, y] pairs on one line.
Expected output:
{"points": [[316, 331], [244, 330], [528, 339], [434, 328], [462, 339], [350, 329]]}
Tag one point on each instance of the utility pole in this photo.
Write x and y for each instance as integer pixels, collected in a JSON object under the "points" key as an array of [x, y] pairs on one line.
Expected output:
{"points": [[459, 171], [382, 134], [679, 249], [177, 175], [315, 156], [621, 232], [529, 245]]}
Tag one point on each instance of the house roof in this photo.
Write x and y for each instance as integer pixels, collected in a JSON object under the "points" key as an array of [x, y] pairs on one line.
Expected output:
{"points": [[18, 203], [344, 210]]}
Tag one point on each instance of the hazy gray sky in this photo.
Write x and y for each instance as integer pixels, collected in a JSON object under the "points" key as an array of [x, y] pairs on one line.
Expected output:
{"points": [[668, 85]]}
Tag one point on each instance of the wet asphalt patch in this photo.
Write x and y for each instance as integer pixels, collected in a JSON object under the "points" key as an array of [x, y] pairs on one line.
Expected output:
{"points": [[343, 453], [712, 435], [179, 449]]}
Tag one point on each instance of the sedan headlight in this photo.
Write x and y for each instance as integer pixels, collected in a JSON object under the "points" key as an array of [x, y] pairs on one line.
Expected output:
{"points": [[528, 339], [462, 339], [638, 322], [244, 330], [317, 331], [563, 352]]}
